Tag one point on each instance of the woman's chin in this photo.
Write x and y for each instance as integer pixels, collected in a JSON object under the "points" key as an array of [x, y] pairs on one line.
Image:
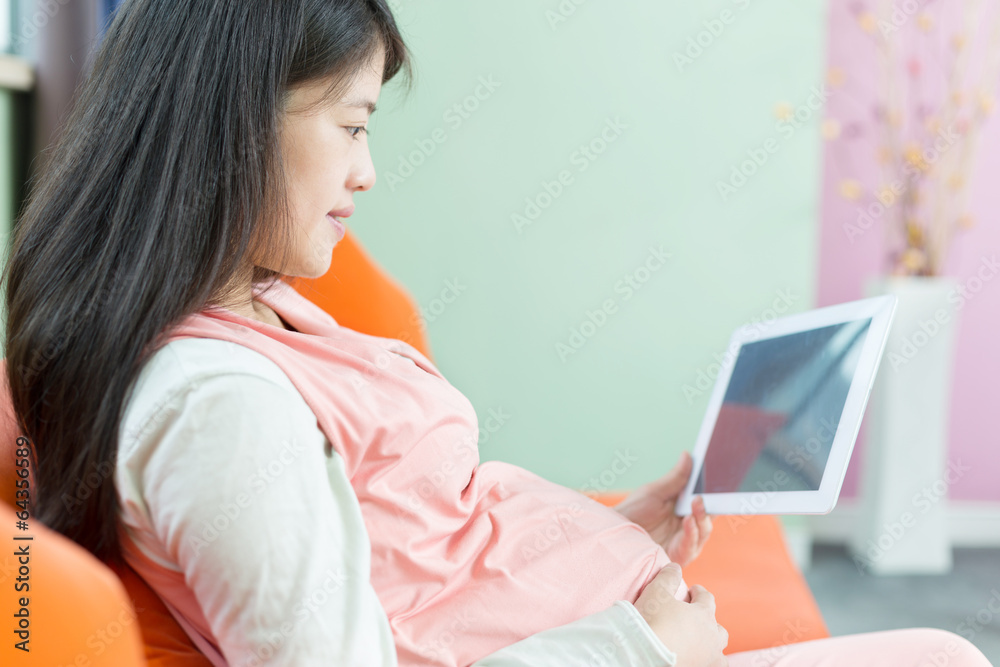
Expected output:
{"points": [[318, 272], [310, 270]]}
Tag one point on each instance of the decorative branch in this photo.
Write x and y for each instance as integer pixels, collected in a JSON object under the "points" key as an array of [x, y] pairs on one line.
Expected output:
{"points": [[928, 207]]}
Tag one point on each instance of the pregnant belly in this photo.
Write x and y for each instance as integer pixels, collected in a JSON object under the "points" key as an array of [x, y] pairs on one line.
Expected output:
{"points": [[527, 555]]}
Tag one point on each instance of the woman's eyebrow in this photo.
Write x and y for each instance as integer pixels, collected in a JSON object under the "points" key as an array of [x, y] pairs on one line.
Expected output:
{"points": [[360, 104]]}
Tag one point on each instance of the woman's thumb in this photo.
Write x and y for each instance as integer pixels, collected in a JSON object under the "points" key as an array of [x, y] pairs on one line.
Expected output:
{"points": [[662, 588], [670, 578]]}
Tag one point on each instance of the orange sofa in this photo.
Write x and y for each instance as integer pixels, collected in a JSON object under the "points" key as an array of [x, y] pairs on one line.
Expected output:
{"points": [[763, 600]]}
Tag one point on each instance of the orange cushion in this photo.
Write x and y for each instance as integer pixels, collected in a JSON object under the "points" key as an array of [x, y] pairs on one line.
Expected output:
{"points": [[77, 610], [762, 599], [167, 645]]}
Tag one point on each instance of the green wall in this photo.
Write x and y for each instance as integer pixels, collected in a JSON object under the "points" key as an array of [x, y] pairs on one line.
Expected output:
{"points": [[521, 289]]}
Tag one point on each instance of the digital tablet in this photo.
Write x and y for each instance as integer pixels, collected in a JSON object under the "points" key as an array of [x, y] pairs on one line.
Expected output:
{"points": [[785, 411]]}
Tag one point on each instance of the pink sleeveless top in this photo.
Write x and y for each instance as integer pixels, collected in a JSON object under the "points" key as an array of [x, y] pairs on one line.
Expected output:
{"points": [[450, 537]]}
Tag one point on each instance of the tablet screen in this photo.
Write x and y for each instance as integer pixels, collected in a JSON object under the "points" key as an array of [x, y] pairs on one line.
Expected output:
{"points": [[777, 422]]}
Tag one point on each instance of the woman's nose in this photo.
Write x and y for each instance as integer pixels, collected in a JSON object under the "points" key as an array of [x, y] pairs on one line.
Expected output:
{"points": [[362, 174]]}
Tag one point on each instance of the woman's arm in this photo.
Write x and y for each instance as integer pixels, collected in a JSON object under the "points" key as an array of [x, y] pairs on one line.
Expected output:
{"points": [[238, 495]]}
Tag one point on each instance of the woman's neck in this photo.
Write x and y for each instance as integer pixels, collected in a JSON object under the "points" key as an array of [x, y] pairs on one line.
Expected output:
{"points": [[264, 313], [242, 303]]}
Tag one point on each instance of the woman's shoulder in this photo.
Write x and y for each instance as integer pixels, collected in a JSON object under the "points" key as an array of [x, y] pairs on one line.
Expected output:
{"points": [[186, 373], [188, 360]]}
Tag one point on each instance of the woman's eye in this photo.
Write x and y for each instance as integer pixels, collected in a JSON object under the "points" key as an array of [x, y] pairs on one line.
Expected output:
{"points": [[355, 132]]}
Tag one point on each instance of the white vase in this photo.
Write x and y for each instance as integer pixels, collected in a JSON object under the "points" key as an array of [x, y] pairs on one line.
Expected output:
{"points": [[905, 478]]}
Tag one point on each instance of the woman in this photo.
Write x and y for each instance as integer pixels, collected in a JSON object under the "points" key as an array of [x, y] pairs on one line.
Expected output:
{"points": [[299, 493]]}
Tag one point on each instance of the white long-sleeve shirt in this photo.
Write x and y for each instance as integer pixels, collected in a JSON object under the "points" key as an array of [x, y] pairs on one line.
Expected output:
{"points": [[227, 483]]}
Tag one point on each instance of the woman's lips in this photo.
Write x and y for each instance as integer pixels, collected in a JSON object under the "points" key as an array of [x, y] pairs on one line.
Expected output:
{"points": [[343, 213], [336, 219], [338, 226]]}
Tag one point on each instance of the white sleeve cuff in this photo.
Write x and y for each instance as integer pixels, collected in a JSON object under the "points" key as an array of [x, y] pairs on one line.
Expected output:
{"points": [[656, 650], [616, 636]]}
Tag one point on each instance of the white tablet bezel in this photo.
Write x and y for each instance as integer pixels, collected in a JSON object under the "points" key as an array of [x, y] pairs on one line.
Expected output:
{"points": [[881, 310]]}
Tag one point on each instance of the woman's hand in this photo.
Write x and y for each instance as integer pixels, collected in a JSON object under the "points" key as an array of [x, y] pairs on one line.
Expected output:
{"points": [[652, 507], [689, 629]]}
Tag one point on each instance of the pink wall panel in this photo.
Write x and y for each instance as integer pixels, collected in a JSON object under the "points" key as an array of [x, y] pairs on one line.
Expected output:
{"points": [[845, 264]]}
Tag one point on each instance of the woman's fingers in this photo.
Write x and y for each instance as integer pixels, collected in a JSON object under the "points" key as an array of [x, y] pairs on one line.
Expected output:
{"points": [[725, 636], [704, 521], [689, 539], [693, 531], [705, 527], [698, 508], [670, 485]]}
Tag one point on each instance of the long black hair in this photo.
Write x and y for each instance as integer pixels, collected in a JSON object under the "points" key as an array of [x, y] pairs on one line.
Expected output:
{"points": [[166, 182]]}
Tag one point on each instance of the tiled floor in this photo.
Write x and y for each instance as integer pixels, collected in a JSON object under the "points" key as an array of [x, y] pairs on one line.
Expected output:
{"points": [[852, 602]]}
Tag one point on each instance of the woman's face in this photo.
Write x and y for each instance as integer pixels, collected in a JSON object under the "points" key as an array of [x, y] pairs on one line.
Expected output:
{"points": [[326, 156]]}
